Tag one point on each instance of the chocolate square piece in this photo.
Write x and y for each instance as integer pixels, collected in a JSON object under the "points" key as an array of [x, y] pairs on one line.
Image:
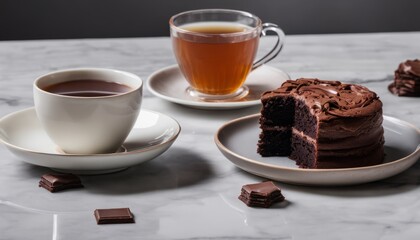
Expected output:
{"points": [[261, 194], [55, 182], [114, 215]]}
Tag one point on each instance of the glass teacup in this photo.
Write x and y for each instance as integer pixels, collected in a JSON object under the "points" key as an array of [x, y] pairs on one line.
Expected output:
{"points": [[216, 48]]}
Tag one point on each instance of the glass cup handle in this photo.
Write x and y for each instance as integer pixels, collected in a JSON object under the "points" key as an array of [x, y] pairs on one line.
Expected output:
{"points": [[277, 47]]}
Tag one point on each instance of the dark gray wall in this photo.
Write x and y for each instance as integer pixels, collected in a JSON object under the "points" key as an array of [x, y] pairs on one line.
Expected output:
{"points": [[52, 19]]}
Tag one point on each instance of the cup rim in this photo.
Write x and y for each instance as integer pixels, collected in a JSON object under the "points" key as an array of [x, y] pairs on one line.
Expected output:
{"points": [[184, 31], [88, 69]]}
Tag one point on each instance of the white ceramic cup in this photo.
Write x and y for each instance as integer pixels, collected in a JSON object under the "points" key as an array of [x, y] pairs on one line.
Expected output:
{"points": [[88, 125]]}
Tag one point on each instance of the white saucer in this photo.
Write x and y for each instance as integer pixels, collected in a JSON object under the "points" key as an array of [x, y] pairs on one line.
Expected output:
{"points": [[169, 84], [23, 135], [237, 140]]}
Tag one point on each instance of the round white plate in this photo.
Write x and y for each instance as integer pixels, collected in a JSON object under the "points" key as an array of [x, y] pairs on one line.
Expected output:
{"points": [[237, 140], [169, 84], [23, 135]]}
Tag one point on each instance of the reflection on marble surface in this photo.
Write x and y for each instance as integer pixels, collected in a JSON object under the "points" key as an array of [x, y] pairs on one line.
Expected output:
{"points": [[190, 192]]}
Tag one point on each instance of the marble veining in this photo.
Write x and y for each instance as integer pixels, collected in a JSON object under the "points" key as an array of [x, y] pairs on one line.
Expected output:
{"points": [[190, 192]]}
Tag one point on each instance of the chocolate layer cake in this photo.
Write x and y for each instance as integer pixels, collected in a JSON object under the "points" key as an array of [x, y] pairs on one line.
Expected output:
{"points": [[407, 79], [322, 124]]}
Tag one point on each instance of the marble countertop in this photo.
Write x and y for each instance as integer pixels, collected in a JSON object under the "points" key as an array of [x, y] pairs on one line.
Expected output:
{"points": [[190, 191]]}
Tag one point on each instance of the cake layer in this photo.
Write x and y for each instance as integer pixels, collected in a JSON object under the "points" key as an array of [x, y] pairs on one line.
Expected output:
{"points": [[304, 152], [373, 157], [349, 127], [355, 152], [275, 141], [308, 155], [366, 138], [278, 111], [305, 121]]}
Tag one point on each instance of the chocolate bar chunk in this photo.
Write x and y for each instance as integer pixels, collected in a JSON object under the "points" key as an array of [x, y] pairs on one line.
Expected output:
{"points": [[114, 215], [55, 182], [262, 194]]}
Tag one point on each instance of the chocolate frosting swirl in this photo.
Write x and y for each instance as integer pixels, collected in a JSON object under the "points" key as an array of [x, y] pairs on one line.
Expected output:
{"points": [[331, 99], [409, 67]]}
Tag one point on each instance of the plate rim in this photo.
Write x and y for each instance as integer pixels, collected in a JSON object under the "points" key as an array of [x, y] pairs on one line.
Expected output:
{"points": [[202, 104], [302, 170], [146, 149]]}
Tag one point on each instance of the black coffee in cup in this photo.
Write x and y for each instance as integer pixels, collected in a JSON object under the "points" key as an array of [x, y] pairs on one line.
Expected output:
{"points": [[87, 88]]}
